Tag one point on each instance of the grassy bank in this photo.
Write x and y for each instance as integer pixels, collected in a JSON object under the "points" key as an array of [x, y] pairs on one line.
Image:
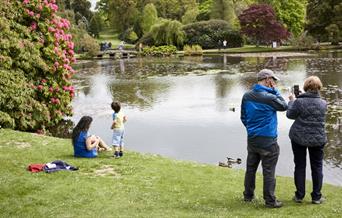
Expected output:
{"points": [[138, 185], [112, 37]]}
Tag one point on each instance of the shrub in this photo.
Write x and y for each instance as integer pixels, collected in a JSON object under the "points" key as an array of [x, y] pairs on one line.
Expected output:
{"points": [[165, 50], [303, 42], [19, 109], [129, 36], [36, 50], [192, 50], [6, 121], [90, 47], [208, 33]]}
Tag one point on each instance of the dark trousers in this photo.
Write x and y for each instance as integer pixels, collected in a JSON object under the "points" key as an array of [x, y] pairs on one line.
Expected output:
{"points": [[316, 163], [269, 158]]}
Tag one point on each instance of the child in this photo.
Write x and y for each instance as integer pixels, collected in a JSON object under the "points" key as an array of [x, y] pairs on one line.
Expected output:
{"points": [[118, 129]]}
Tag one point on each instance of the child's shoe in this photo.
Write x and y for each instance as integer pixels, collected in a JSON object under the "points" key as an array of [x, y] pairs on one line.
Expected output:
{"points": [[120, 153], [116, 154]]}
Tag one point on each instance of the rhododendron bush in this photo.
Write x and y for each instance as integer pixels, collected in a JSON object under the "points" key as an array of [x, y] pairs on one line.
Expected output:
{"points": [[36, 53]]}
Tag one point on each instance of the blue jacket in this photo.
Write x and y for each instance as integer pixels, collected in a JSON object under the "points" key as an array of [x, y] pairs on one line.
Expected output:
{"points": [[258, 111]]}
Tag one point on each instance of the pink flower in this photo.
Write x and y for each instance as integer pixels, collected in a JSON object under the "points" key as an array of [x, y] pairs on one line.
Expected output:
{"points": [[33, 25], [43, 80], [30, 13], [50, 89], [38, 16], [26, 2], [40, 87], [40, 7], [71, 45], [51, 29]]}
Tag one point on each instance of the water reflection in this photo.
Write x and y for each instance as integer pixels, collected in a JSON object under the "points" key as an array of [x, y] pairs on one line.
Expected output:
{"points": [[183, 107]]}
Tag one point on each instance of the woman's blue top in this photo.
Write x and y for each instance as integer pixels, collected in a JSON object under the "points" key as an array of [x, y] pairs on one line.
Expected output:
{"points": [[80, 148]]}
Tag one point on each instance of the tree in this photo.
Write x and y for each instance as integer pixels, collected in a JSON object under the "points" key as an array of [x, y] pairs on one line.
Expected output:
{"points": [[324, 20], [83, 8], [174, 9], [290, 12], [149, 17], [95, 25], [224, 10], [204, 10], [168, 32], [122, 14], [190, 16], [259, 23]]}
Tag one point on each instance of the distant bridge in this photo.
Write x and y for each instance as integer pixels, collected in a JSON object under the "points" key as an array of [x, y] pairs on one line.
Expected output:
{"points": [[117, 53]]}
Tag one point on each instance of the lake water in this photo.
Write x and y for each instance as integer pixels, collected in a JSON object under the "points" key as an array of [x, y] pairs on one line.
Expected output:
{"points": [[188, 108]]}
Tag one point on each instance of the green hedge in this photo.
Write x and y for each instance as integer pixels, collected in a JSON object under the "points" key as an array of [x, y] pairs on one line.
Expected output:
{"points": [[207, 34]]}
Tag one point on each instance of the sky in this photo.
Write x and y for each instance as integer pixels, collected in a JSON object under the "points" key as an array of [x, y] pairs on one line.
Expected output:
{"points": [[93, 4]]}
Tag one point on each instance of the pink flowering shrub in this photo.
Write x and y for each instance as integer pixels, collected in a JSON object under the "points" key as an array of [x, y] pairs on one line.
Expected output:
{"points": [[37, 43]]}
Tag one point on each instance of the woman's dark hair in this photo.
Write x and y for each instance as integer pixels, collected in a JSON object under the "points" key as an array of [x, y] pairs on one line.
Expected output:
{"points": [[82, 125], [116, 106]]}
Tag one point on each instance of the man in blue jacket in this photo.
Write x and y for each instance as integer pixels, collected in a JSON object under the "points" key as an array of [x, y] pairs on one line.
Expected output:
{"points": [[258, 114]]}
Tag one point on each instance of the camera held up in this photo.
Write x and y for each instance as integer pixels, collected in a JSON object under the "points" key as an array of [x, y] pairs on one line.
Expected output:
{"points": [[296, 90]]}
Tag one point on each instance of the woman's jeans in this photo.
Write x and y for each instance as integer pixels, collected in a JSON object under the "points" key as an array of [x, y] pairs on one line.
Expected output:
{"points": [[316, 162]]}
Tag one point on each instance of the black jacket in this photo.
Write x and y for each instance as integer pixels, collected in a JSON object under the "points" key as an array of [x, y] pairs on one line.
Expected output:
{"points": [[309, 112]]}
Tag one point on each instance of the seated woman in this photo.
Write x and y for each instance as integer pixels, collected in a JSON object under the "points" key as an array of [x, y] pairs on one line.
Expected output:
{"points": [[85, 145]]}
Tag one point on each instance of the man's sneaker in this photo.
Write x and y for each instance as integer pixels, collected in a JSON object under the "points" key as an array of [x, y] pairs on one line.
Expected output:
{"points": [[297, 200], [319, 201], [275, 204], [248, 199]]}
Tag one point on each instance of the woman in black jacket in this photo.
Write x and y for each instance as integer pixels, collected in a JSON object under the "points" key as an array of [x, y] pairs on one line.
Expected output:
{"points": [[308, 133]]}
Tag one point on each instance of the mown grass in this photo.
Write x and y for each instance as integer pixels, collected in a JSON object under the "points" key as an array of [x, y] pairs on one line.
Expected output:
{"points": [[112, 37], [138, 185]]}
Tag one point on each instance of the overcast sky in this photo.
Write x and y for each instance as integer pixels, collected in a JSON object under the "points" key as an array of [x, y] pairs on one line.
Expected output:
{"points": [[93, 4]]}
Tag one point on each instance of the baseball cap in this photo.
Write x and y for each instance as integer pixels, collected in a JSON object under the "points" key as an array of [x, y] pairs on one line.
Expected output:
{"points": [[265, 73]]}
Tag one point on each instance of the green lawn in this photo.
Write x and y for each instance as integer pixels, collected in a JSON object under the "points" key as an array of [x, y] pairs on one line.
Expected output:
{"points": [[138, 185], [110, 36]]}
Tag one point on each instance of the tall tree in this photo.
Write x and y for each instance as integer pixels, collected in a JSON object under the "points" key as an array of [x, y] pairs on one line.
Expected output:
{"points": [[259, 23], [204, 9], [290, 12], [324, 19], [81, 7], [174, 9], [149, 17], [122, 14], [224, 10], [95, 25]]}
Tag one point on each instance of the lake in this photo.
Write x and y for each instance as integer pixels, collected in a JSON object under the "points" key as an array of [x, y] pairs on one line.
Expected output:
{"points": [[188, 108]]}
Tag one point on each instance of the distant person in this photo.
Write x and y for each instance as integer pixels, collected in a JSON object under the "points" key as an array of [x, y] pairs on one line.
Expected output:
{"points": [[308, 133], [86, 145], [219, 44], [118, 128], [258, 114], [121, 45], [109, 45], [224, 44]]}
